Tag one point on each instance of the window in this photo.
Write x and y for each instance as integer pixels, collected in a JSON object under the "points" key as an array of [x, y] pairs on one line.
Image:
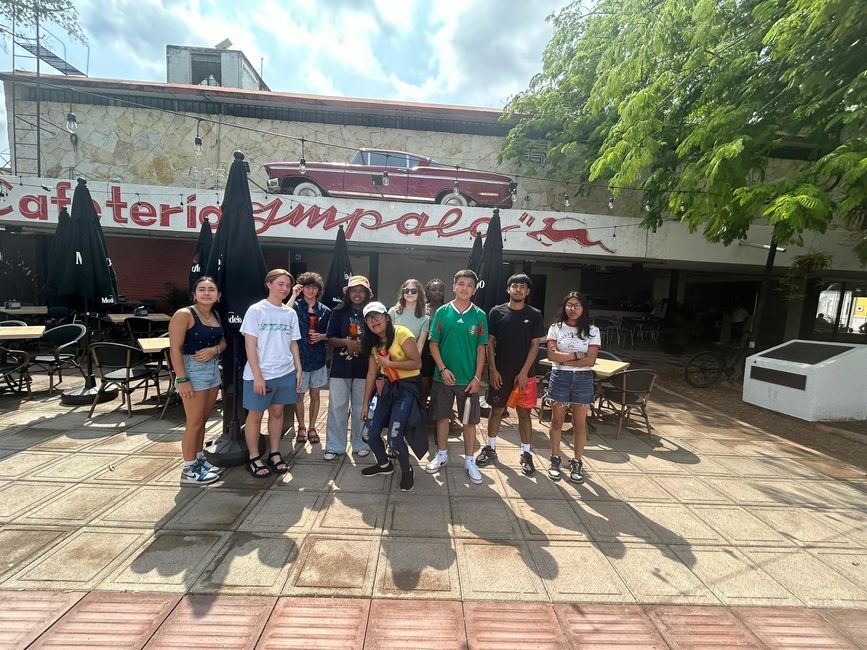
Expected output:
{"points": [[841, 313]]}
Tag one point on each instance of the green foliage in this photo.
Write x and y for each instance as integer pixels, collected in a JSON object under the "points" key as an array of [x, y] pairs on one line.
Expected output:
{"points": [[60, 12], [692, 100]]}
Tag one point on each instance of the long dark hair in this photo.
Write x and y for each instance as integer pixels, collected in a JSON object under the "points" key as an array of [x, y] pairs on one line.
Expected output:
{"points": [[583, 324], [419, 304], [369, 340]]}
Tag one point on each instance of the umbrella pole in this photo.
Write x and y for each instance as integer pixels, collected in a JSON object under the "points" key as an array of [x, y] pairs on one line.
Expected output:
{"points": [[84, 396]]}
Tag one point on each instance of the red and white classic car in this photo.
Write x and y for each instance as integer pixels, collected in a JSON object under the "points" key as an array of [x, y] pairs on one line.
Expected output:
{"points": [[392, 175]]}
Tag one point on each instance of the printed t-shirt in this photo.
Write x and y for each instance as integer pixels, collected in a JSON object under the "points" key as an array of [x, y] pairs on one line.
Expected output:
{"points": [[568, 340], [459, 334], [396, 353], [274, 328], [338, 328], [513, 330]]}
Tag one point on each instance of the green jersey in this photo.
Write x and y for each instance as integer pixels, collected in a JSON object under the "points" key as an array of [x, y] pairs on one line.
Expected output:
{"points": [[459, 334]]}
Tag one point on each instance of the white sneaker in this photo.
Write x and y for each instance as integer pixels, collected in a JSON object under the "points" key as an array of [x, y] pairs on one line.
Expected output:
{"points": [[213, 469], [473, 471], [436, 462], [329, 455], [197, 475], [362, 452]]}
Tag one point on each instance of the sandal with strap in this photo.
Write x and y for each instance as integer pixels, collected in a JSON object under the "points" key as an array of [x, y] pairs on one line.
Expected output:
{"points": [[256, 467], [312, 436], [301, 436], [278, 466]]}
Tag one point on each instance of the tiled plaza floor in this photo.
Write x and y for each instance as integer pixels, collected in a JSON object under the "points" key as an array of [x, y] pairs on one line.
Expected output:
{"points": [[710, 527]]}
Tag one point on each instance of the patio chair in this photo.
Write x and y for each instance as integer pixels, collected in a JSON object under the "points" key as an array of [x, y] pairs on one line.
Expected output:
{"points": [[125, 368], [138, 328], [13, 323], [627, 391], [171, 393], [13, 370], [57, 351]]}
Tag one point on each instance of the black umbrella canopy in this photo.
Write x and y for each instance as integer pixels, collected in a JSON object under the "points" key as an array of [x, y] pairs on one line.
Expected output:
{"points": [[237, 264], [339, 273], [86, 267], [203, 252], [61, 242], [236, 260], [492, 280], [475, 258]]}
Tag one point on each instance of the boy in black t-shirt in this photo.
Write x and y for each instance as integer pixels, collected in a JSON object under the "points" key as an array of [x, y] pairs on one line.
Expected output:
{"points": [[519, 328]]}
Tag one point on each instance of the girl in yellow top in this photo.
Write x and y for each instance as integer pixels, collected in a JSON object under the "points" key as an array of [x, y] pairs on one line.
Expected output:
{"points": [[392, 350]]}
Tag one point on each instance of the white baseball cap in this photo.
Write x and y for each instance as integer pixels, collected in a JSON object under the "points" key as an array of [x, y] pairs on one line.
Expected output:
{"points": [[374, 308]]}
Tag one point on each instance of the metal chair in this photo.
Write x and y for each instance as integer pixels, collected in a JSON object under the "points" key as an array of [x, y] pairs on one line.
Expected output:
{"points": [[12, 363], [626, 391], [12, 323], [57, 351], [138, 328], [125, 368], [172, 392]]}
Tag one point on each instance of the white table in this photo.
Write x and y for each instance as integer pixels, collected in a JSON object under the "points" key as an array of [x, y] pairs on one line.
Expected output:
{"points": [[25, 311], [603, 368], [20, 333], [154, 345], [118, 319]]}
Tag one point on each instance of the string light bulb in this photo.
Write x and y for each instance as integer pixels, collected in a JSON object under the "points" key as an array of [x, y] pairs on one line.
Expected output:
{"points": [[526, 201], [385, 180], [197, 141], [610, 202], [615, 232], [566, 198], [71, 122], [302, 164], [647, 206], [456, 187]]}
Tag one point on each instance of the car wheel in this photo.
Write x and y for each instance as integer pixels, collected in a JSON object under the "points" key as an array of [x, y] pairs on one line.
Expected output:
{"points": [[307, 189], [453, 198]]}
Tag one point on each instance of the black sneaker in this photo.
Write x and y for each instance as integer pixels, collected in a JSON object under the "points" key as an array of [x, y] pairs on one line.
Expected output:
{"points": [[527, 464], [576, 470], [376, 470], [486, 456], [554, 468], [407, 480]]}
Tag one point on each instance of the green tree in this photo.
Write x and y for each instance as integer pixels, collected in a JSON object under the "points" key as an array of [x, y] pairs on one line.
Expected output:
{"points": [[722, 112], [60, 12]]}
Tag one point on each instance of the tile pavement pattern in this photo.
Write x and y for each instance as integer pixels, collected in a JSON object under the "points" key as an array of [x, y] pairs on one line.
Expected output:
{"points": [[711, 524]]}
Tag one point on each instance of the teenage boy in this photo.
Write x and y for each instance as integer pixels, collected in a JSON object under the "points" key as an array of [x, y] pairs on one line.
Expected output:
{"points": [[458, 335], [272, 374], [314, 374], [348, 370], [516, 331]]}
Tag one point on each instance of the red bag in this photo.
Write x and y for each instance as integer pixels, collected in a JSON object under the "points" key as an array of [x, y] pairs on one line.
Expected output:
{"points": [[526, 398]]}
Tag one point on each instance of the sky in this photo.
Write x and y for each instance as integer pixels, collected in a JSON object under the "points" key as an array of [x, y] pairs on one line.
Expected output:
{"points": [[463, 52]]}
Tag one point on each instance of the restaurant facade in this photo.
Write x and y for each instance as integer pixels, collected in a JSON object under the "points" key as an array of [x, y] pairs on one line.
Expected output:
{"points": [[135, 142]]}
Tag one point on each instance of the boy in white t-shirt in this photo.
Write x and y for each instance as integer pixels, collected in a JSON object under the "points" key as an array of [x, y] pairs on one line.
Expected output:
{"points": [[272, 375]]}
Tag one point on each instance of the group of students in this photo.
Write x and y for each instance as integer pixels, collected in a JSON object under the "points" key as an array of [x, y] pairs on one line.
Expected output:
{"points": [[392, 369]]}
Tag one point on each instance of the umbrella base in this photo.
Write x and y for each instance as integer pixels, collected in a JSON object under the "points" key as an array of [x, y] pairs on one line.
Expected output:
{"points": [[230, 450], [84, 396]]}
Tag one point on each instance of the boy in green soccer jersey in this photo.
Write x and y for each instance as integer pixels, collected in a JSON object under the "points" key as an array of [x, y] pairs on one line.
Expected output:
{"points": [[458, 336]]}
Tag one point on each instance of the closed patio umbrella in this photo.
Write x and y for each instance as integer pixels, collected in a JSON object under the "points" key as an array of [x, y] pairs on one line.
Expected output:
{"points": [[61, 241], [339, 272], [203, 252], [237, 264], [475, 258], [492, 280], [86, 275]]}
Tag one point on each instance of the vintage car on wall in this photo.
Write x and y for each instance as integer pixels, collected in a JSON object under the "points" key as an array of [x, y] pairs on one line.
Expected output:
{"points": [[392, 175]]}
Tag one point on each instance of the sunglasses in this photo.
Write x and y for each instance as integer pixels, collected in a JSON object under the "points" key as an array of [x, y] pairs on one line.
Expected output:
{"points": [[410, 290]]}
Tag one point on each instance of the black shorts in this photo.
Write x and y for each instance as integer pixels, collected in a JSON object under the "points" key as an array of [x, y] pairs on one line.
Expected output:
{"points": [[498, 397], [442, 398]]}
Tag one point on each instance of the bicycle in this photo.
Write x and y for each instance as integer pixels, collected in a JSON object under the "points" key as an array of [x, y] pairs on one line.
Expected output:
{"points": [[707, 367]]}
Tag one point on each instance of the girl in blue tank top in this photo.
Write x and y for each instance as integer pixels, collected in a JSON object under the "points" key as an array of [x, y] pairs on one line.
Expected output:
{"points": [[195, 343]]}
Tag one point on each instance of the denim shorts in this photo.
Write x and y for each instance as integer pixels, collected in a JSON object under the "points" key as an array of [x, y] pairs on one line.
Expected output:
{"points": [[571, 387], [315, 379], [280, 390], [203, 374]]}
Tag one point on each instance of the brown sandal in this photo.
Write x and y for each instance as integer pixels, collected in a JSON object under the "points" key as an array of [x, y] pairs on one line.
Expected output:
{"points": [[301, 436], [312, 436]]}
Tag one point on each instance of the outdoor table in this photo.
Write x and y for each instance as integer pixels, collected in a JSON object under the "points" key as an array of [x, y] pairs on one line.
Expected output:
{"points": [[25, 311], [118, 319], [20, 333], [603, 368], [153, 345]]}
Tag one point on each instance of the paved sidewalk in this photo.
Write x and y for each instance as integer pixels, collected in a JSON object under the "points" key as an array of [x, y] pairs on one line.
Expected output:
{"points": [[709, 512]]}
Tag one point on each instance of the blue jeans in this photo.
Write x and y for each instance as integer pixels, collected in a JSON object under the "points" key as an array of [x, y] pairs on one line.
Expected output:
{"points": [[393, 414], [340, 393]]}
